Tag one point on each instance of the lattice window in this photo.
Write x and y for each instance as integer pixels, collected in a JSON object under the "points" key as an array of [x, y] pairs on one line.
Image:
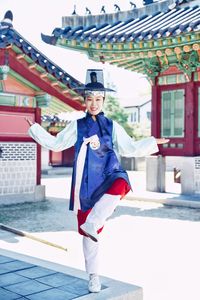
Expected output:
{"points": [[172, 120]]}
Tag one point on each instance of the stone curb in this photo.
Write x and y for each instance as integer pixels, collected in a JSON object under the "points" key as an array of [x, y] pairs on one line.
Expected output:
{"points": [[166, 199]]}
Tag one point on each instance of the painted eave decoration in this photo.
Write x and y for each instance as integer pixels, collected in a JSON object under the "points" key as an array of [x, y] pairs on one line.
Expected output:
{"points": [[148, 44], [19, 56]]}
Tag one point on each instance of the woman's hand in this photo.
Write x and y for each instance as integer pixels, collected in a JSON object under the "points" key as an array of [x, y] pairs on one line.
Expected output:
{"points": [[29, 121], [162, 141]]}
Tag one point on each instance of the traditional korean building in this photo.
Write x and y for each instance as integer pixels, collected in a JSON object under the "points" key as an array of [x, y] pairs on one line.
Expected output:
{"points": [[31, 86], [162, 41]]}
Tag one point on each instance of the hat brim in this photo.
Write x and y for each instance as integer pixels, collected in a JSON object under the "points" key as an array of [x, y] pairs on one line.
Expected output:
{"points": [[84, 88]]}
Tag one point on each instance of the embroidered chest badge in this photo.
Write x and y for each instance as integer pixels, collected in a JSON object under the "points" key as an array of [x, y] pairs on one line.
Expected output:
{"points": [[93, 141]]}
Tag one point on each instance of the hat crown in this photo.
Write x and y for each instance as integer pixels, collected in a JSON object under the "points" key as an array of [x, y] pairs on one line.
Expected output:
{"points": [[94, 82], [94, 79]]}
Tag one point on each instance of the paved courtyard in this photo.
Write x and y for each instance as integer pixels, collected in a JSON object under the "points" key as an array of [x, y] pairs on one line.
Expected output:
{"points": [[146, 244], [22, 280]]}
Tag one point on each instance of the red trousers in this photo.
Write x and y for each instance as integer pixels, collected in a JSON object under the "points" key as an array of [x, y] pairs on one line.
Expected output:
{"points": [[119, 187]]}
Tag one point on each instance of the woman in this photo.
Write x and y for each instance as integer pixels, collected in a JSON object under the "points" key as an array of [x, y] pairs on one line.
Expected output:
{"points": [[98, 180]]}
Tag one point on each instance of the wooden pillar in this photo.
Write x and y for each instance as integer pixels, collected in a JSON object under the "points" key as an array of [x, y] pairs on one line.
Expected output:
{"points": [[38, 175], [196, 118], [189, 119], [155, 117]]}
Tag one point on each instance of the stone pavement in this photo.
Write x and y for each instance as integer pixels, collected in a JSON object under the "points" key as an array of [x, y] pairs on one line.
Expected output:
{"points": [[167, 242], [22, 280], [28, 277]]}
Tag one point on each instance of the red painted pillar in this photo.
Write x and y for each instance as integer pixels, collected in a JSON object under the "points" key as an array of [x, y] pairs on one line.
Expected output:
{"points": [[189, 119], [196, 118], [38, 175], [155, 117]]}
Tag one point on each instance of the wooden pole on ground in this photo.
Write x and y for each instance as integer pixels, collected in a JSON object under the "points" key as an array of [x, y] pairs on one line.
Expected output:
{"points": [[30, 236]]}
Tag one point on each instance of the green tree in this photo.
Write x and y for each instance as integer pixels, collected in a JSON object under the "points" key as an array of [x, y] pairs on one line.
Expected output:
{"points": [[139, 132], [115, 111]]}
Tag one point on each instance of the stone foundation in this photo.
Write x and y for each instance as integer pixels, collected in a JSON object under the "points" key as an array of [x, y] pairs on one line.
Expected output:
{"points": [[189, 173], [18, 170]]}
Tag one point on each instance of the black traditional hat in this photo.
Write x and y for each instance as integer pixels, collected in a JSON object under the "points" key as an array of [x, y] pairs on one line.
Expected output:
{"points": [[94, 82]]}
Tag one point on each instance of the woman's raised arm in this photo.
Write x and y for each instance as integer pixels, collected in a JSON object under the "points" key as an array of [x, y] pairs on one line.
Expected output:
{"points": [[63, 140]]}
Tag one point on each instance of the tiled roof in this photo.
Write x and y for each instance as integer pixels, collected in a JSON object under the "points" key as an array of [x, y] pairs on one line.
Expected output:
{"points": [[171, 22], [143, 40], [9, 36]]}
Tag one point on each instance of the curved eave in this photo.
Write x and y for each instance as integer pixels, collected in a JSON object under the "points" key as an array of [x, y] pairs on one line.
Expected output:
{"points": [[131, 55], [30, 63], [135, 38]]}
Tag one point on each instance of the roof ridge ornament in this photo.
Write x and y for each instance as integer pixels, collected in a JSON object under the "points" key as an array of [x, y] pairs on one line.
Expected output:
{"points": [[7, 20], [74, 11], [117, 8], [88, 11], [103, 11], [133, 5]]}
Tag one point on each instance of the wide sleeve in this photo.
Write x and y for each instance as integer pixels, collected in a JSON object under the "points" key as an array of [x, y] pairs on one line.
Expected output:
{"points": [[63, 140], [127, 147]]}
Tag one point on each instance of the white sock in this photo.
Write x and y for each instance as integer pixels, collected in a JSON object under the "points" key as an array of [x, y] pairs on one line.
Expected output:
{"points": [[91, 255]]}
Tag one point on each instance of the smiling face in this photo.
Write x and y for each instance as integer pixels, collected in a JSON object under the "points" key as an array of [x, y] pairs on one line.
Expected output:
{"points": [[94, 104]]}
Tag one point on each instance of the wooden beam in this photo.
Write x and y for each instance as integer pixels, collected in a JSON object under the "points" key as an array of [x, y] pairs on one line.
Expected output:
{"points": [[65, 92], [43, 75], [20, 56], [32, 66], [55, 84], [27, 73]]}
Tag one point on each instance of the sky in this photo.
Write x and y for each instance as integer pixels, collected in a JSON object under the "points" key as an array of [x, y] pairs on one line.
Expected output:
{"points": [[33, 17]]}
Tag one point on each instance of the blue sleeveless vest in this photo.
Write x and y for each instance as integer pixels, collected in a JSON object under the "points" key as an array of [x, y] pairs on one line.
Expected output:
{"points": [[101, 167]]}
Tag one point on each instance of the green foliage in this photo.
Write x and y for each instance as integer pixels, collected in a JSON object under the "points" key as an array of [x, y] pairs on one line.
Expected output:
{"points": [[139, 132], [114, 111]]}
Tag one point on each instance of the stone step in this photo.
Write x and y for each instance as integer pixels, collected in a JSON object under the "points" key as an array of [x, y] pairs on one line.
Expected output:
{"points": [[57, 171], [36, 279]]}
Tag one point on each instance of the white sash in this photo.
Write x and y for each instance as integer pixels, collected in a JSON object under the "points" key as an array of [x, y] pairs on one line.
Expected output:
{"points": [[80, 167]]}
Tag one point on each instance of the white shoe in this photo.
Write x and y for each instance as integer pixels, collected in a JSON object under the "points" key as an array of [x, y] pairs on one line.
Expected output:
{"points": [[94, 285], [90, 230]]}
